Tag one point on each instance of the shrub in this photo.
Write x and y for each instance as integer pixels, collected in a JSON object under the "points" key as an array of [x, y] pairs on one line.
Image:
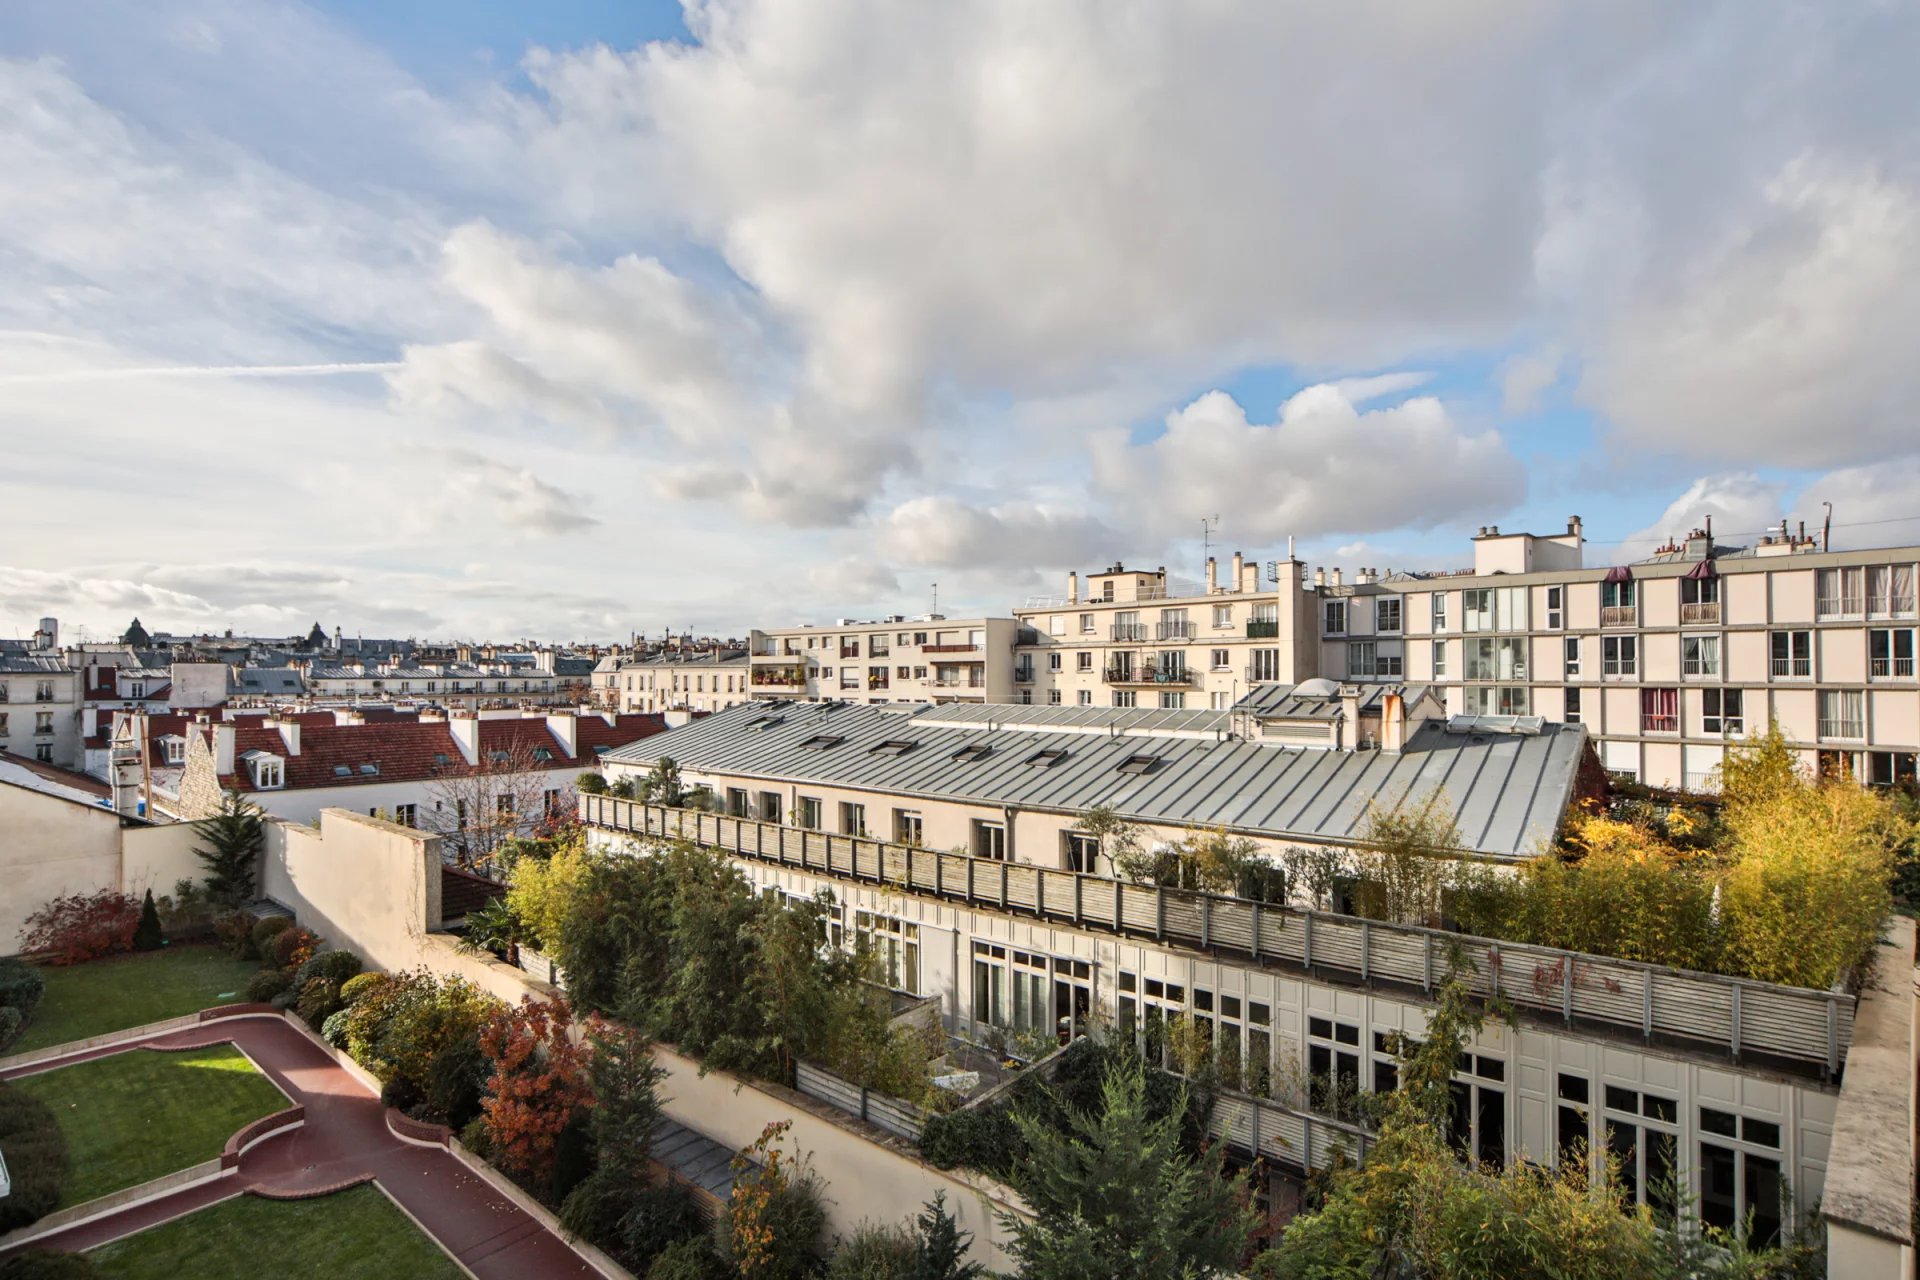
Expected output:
{"points": [[21, 985], [147, 935], [656, 1219], [775, 1220], [572, 1159], [690, 1259], [263, 932], [983, 1139], [457, 1081], [336, 967], [538, 1084], [334, 1030], [234, 931], [875, 1252], [12, 1023], [36, 1156], [358, 985], [48, 1264], [399, 1022], [293, 947], [474, 1138], [263, 986], [316, 1001], [78, 927]]}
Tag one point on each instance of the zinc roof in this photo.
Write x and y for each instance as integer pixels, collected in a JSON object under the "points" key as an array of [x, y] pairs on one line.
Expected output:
{"points": [[1507, 790]]}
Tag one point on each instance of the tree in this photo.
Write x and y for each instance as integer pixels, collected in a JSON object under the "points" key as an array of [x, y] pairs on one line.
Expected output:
{"points": [[591, 784], [775, 1219], [1120, 842], [1116, 1194], [1404, 858], [481, 807], [940, 1246], [147, 935], [538, 1085], [623, 1078], [662, 785], [232, 837]]}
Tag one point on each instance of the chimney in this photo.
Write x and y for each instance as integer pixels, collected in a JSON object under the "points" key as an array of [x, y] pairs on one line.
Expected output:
{"points": [[1319, 576], [466, 735], [223, 748], [1213, 575], [566, 727], [1393, 723], [1073, 586], [290, 734], [1574, 528], [1350, 716], [1336, 575], [1239, 572]]}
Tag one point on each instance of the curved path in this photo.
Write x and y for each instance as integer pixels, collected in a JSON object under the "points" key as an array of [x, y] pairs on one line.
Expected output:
{"points": [[344, 1142]]}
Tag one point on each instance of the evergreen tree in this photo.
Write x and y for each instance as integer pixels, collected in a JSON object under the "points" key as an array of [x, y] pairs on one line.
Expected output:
{"points": [[233, 838], [623, 1076], [940, 1246], [1115, 1194], [147, 935]]}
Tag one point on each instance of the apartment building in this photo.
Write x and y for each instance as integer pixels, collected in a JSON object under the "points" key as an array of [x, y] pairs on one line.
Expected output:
{"points": [[452, 683], [1140, 639], [712, 680], [925, 659], [1019, 931], [1666, 659], [40, 700]]}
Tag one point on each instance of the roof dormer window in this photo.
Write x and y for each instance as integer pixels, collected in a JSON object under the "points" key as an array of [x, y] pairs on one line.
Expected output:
{"points": [[543, 754], [268, 771]]}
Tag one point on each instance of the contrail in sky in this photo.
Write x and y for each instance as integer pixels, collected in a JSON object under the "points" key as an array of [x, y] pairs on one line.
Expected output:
{"points": [[202, 371]]}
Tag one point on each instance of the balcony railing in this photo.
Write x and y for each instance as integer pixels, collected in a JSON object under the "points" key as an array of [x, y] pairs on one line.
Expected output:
{"points": [[1846, 729], [1261, 675], [1619, 615], [1023, 675], [1732, 1015], [1839, 607], [1889, 668], [952, 648], [1262, 629], [978, 682], [1174, 630], [779, 677], [1704, 613], [1147, 675], [1128, 631], [1890, 606], [786, 653], [1792, 668]]}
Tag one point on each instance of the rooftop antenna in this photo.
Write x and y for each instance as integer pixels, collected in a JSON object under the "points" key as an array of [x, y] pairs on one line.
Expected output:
{"points": [[936, 598], [1826, 531], [1208, 525]]}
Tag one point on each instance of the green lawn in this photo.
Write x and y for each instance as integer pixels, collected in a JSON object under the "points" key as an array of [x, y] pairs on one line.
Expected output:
{"points": [[137, 1115], [129, 991], [350, 1235]]}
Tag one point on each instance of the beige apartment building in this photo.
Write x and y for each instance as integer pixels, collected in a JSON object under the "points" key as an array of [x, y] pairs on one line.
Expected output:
{"points": [[898, 659], [1665, 660], [1138, 638], [706, 681]]}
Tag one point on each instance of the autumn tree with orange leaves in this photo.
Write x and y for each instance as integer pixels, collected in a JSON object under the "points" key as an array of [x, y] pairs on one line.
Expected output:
{"points": [[537, 1086]]}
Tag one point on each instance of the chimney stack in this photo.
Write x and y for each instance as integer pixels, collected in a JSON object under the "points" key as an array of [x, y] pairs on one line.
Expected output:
{"points": [[1393, 723], [1336, 575], [1239, 572], [1319, 576], [1073, 587], [1213, 575]]}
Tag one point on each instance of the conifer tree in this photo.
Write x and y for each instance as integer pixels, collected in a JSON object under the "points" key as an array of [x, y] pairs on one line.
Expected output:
{"points": [[940, 1246], [232, 838], [147, 935]]}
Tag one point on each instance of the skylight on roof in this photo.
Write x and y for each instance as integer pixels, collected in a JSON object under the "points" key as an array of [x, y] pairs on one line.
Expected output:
{"points": [[369, 770], [497, 757], [824, 741], [973, 751], [542, 753], [1048, 758], [892, 747], [769, 723], [1139, 764], [440, 759], [342, 771]]}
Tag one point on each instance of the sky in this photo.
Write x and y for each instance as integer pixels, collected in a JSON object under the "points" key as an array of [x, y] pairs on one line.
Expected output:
{"points": [[574, 320]]}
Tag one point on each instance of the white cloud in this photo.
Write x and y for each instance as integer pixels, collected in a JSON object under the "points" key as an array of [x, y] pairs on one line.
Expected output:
{"points": [[489, 490], [1739, 502], [1322, 467], [944, 531], [1525, 380]]}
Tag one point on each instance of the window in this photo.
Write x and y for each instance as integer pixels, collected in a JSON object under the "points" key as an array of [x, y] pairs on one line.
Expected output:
{"points": [[43, 752], [1570, 655], [1573, 1121], [1080, 851], [853, 819], [1086, 624], [769, 806], [1619, 604], [1222, 616], [1884, 768], [1366, 660], [895, 945], [3, 724], [1336, 617], [1556, 608], [1084, 697], [1740, 1174], [1083, 661], [879, 678], [1053, 697], [849, 678], [1174, 625], [906, 827], [1659, 711], [1015, 989], [43, 691], [1439, 611], [1494, 609], [1386, 614], [1619, 655], [1219, 701], [1699, 655], [267, 774], [1125, 698], [1840, 593], [1221, 659], [1497, 659], [1642, 1134], [1478, 1127], [176, 748], [1722, 712], [1024, 697], [1053, 661], [1439, 659], [1890, 591], [1265, 665], [1333, 1066], [1572, 713], [1173, 701], [990, 840], [736, 802], [1498, 700], [1843, 713], [1791, 652], [1699, 601], [1890, 653], [1127, 626], [43, 722], [503, 806], [807, 813], [879, 646]]}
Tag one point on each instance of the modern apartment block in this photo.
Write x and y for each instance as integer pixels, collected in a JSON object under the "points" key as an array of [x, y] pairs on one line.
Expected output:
{"points": [[712, 680], [898, 659], [1665, 660], [1138, 638], [40, 700]]}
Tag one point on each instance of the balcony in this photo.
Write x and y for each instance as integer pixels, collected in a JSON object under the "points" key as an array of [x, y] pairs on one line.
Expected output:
{"points": [[1620, 615], [850, 650], [794, 677], [954, 648], [1704, 614], [1174, 631], [1023, 675], [1890, 606], [978, 681], [786, 652], [1263, 630], [1839, 607], [1128, 631], [1181, 677]]}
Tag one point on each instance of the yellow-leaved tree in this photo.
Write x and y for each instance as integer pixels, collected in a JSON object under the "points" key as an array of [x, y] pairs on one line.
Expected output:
{"points": [[541, 889]]}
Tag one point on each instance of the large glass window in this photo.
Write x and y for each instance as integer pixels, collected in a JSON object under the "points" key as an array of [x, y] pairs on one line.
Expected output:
{"points": [[1333, 1066], [1890, 591], [1386, 614], [1890, 653], [1659, 711], [1700, 655], [1841, 593], [1740, 1174], [1642, 1135], [1619, 655], [1843, 713], [1367, 660], [1334, 614], [1723, 712], [1497, 659], [1791, 652], [1478, 1127], [1494, 609]]}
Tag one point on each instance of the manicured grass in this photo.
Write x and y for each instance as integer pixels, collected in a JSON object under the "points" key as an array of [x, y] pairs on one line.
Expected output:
{"points": [[85, 1000], [137, 1115], [350, 1235]]}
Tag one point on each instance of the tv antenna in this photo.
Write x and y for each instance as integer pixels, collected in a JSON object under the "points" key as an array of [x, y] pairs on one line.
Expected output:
{"points": [[1209, 525]]}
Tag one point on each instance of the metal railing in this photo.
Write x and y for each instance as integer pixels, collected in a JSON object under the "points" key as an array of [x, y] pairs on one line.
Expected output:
{"points": [[1732, 1015], [952, 648], [1147, 675], [1619, 615], [1700, 614], [1174, 630], [1839, 607], [1134, 631], [1262, 629], [1895, 606]]}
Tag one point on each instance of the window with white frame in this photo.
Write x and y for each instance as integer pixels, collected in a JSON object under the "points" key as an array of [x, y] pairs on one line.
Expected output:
{"points": [[1333, 1066], [1125, 698], [1641, 1132], [989, 839], [268, 774], [1173, 701], [1570, 655], [1498, 700], [1843, 713], [1493, 609], [1572, 712], [1386, 613], [1219, 701], [1264, 665], [1556, 608], [1083, 660], [1084, 697], [1699, 655], [1840, 593], [1057, 625], [907, 827], [1890, 591], [1619, 655], [1221, 659], [1439, 611], [1740, 1178], [1723, 712], [407, 815], [1659, 711], [1086, 624], [1893, 768], [1790, 653], [1367, 660], [1890, 653], [1222, 616], [895, 946], [1502, 658], [1439, 659], [1335, 617], [1054, 661], [1053, 697], [806, 813], [1477, 1126]]}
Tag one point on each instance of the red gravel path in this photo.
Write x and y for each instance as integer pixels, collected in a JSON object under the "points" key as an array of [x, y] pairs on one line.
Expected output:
{"points": [[344, 1142]]}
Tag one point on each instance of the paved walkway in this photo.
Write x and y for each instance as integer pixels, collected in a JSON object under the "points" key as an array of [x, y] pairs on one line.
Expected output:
{"points": [[344, 1142]]}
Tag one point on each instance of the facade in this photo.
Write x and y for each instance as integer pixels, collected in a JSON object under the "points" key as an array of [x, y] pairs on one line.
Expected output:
{"points": [[40, 700], [1665, 660], [1021, 938], [926, 659], [691, 681], [1140, 639], [446, 683]]}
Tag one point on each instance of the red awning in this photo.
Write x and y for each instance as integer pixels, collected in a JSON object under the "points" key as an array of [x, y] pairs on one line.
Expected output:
{"points": [[1619, 573], [1704, 569]]}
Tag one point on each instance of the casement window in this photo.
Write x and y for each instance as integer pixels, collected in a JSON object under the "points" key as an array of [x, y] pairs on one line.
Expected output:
{"points": [[1086, 624], [1080, 852], [1084, 697], [1498, 700], [807, 813], [1573, 1122], [1174, 625], [1083, 661], [989, 839], [853, 819], [267, 774], [1335, 617], [907, 827], [1173, 702], [1054, 661], [1222, 617], [1723, 712], [769, 806], [1333, 1066], [1149, 1011], [1642, 1134], [1012, 988], [1843, 713], [1740, 1178], [1497, 659], [879, 646], [1493, 609], [1572, 713], [1619, 655], [1218, 701], [1699, 601], [1556, 608], [407, 815], [1840, 593], [1659, 711], [1221, 659], [1619, 595], [1700, 655], [1439, 659], [1127, 626], [1053, 697], [1386, 614], [1264, 665], [1890, 653], [895, 945], [1125, 698], [1057, 625], [1439, 612], [43, 752], [1791, 653], [1890, 591], [1023, 697], [1570, 655], [1892, 768], [43, 722], [1477, 1126], [736, 802]]}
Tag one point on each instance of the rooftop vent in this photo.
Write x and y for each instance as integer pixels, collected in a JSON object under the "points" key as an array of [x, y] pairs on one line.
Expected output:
{"points": [[892, 747], [823, 741], [1139, 764], [1048, 758], [973, 751]]}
